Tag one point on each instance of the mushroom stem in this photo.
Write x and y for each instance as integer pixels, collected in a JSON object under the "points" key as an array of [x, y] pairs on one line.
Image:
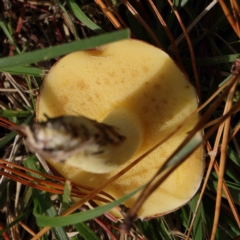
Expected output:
{"points": [[129, 126], [87, 144], [121, 133]]}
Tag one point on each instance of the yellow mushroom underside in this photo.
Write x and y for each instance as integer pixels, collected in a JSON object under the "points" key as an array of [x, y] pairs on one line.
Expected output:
{"points": [[141, 78]]}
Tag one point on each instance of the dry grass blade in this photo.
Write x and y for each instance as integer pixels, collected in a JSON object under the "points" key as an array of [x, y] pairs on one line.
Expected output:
{"points": [[5, 234], [89, 196], [18, 88], [196, 20], [212, 162], [143, 23], [228, 196], [236, 7], [110, 5], [226, 130], [193, 60], [229, 17], [45, 182], [29, 230], [234, 10], [213, 153], [212, 31], [161, 175], [235, 131], [109, 14], [161, 20]]}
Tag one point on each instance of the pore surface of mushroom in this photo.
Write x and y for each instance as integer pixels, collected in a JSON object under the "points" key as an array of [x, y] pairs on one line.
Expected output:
{"points": [[131, 85]]}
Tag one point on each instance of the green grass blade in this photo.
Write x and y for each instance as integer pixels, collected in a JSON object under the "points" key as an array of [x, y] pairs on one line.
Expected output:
{"points": [[11, 135], [67, 18], [82, 216], [8, 34], [85, 231], [214, 60], [189, 147], [16, 220], [48, 53], [16, 70], [233, 155], [184, 214], [42, 201], [163, 230], [43, 205], [14, 113], [7, 139], [82, 228], [199, 228], [47, 207], [66, 196], [234, 189], [83, 17]]}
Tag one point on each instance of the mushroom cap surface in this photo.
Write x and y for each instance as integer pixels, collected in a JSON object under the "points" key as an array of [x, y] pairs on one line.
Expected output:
{"points": [[141, 78]]}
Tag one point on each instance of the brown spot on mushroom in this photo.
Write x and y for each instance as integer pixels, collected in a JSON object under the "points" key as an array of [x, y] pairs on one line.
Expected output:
{"points": [[170, 116], [106, 81], [162, 76], [97, 96], [123, 70], [111, 74], [81, 85], [135, 73], [95, 52], [144, 110], [89, 98], [98, 81], [145, 94], [165, 101], [156, 86], [63, 99], [145, 69]]}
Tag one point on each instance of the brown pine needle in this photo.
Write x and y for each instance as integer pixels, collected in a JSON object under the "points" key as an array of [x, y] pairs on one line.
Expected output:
{"points": [[229, 17], [193, 60], [143, 23], [226, 130], [109, 14], [110, 5], [162, 175], [27, 228], [229, 197], [42, 184], [164, 25]]}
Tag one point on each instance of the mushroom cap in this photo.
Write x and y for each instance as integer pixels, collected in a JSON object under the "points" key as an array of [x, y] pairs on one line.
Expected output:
{"points": [[144, 80]]}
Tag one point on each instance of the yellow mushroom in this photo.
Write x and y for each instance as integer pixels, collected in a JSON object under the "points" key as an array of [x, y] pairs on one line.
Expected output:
{"points": [[138, 89]]}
